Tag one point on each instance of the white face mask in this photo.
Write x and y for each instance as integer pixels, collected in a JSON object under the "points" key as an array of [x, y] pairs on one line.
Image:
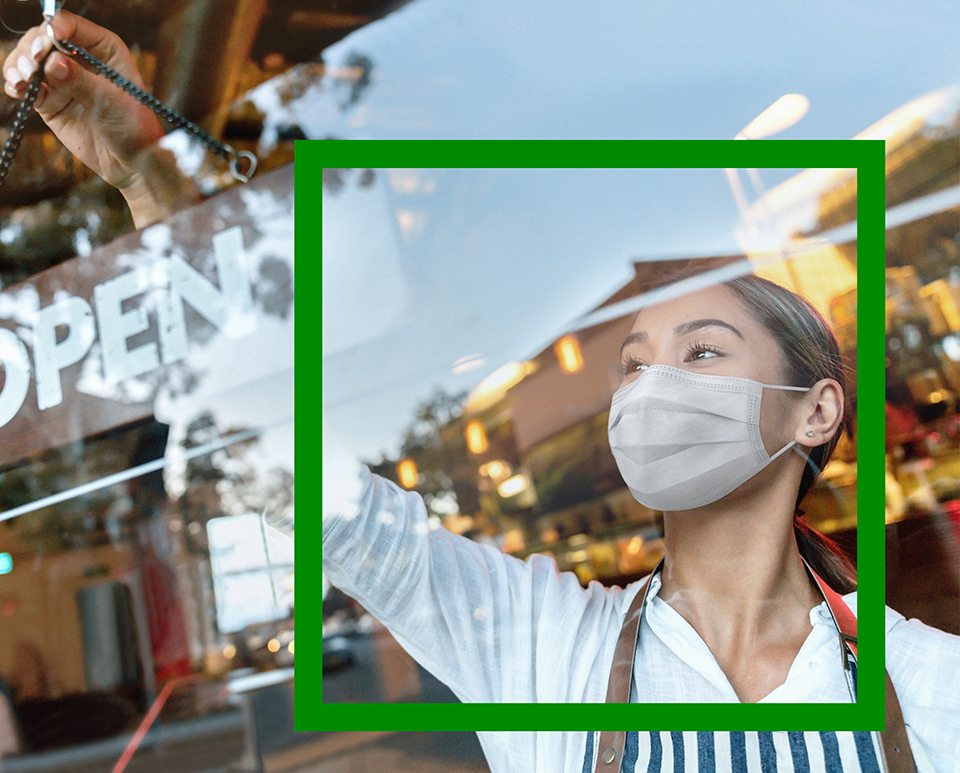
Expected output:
{"points": [[682, 440]]}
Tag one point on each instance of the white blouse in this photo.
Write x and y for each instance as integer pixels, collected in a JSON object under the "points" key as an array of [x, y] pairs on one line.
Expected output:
{"points": [[494, 628]]}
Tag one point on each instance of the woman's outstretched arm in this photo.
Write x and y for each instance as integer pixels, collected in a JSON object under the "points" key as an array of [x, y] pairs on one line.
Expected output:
{"points": [[490, 626]]}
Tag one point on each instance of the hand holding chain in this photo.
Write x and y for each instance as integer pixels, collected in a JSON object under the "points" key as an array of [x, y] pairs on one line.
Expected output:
{"points": [[243, 163]]}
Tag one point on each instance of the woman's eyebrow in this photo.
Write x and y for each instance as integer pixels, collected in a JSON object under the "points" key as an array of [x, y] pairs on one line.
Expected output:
{"points": [[680, 330], [633, 338], [697, 324]]}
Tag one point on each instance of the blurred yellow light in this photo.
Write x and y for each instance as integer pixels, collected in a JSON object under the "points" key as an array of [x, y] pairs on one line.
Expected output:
{"points": [[496, 385], [496, 469], [568, 353], [635, 544], [229, 652], [407, 472], [476, 437], [513, 541], [935, 397], [290, 647], [513, 486], [273, 645]]}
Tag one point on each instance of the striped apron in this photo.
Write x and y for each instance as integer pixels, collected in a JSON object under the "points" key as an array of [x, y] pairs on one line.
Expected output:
{"points": [[744, 752], [747, 751]]}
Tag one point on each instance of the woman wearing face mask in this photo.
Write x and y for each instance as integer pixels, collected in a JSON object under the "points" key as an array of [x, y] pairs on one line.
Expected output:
{"points": [[731, 402]]}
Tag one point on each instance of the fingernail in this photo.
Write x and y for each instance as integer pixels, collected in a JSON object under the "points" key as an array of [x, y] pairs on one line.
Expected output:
{"points": [[58, 68], [36, 48], [13, 76], [26, 67]]}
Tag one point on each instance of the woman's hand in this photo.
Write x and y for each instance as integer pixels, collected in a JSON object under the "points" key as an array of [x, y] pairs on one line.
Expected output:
{"points": [[106, 128]]}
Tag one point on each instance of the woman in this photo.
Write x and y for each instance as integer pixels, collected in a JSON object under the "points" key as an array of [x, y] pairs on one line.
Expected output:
{"points": [[731, 402], [733, 615]]}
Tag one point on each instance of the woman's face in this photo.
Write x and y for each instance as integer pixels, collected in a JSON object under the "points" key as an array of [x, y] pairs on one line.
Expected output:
{"points": [[711, 332]]}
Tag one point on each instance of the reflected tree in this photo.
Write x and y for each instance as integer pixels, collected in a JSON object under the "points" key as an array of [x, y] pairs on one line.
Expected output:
{"points": [[334, 180], [227, 482], [359, 68], [435, 442]]}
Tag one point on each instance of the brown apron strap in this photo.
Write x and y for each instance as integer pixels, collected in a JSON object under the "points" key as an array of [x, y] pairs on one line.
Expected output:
{"points": [[894, 742], [610, 746], [897, 756]]}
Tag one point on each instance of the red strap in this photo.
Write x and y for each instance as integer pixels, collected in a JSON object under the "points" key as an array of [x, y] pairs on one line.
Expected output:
{"points": [[845, 620], [894, 742]]}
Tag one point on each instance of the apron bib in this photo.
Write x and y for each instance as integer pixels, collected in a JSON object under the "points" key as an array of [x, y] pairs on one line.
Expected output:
{"points": [[747, 752]]}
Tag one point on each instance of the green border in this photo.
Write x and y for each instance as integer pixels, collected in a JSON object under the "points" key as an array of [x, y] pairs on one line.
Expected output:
{"points": [[867, 156]]}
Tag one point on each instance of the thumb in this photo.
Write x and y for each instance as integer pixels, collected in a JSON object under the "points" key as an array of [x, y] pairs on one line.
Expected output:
{"points": [[65, 82]]}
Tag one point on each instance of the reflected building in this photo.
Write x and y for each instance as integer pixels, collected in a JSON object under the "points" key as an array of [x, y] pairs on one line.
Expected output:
{"points": [[545, 420]]}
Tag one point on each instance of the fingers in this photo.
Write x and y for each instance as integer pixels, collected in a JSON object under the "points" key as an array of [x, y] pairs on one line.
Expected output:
{"points": [[21, 63], [102, 43], [20, 68]]}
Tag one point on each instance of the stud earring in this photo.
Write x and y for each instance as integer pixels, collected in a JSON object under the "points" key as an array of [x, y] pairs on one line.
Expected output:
{"points": [[809, 433]]}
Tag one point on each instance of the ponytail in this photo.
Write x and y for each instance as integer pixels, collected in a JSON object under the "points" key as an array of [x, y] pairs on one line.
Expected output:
{"points": [[825, 556]]}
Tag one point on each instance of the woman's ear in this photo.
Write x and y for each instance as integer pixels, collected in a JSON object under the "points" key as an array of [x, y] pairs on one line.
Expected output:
{"points": [[821, 414]]}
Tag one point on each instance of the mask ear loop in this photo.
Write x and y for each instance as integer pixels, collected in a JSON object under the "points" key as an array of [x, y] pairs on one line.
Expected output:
{"points": [[817, 475], [793, 443], [806, 457]]}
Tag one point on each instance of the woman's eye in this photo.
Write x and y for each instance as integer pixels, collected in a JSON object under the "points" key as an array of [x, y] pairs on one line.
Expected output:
{"points": [[631, 366], [701, 351]]}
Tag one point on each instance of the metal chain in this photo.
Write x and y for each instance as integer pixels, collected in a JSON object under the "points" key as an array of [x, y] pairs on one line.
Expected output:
{"points": [[12, 145], [237, 159]]}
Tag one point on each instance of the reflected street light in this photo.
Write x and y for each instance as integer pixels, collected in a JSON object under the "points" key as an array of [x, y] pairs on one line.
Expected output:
{"points": [[782, 114], [568, 353], [407, 472], [476, 437]]}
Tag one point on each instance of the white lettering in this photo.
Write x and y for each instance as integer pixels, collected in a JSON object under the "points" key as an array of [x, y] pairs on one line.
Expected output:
{"points": [[230, 308], [119, 362], [50, 356], [16, 374]]}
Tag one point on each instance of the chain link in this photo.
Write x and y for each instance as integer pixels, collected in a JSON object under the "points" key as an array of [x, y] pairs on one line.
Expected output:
{"points": [[243, 164], [12, 145]]}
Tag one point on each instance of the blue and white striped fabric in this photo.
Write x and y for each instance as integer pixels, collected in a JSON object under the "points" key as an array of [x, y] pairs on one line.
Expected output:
{"points": [[745, 752]]}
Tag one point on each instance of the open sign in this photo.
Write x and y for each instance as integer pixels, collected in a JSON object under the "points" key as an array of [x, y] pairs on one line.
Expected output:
{"points": [[86, 345]]}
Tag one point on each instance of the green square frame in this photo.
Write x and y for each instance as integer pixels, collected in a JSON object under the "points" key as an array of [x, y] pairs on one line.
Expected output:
{"points": [[868, 157]]}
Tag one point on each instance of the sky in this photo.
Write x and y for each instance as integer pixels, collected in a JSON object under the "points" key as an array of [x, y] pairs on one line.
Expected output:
{"points": [[627, 69], [427, 267]]}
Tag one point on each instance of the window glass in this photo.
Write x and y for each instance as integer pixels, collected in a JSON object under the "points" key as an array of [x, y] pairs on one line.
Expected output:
{"points": [[146, 409], [124, 452], [476, 323]]}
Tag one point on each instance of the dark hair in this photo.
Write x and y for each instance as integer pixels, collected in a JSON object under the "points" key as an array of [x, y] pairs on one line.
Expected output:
{"points": [[810, 353]]}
